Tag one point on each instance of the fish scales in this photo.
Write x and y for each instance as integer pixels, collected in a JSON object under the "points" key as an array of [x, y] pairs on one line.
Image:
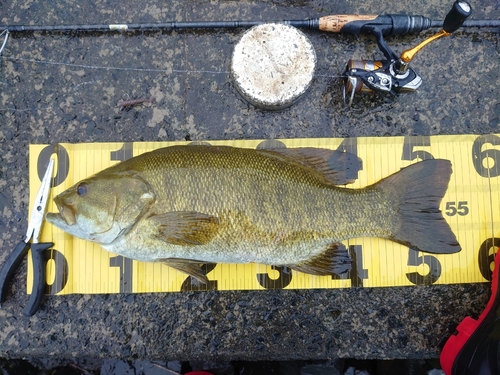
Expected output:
{"points": [[230, 205], [271, 203]]}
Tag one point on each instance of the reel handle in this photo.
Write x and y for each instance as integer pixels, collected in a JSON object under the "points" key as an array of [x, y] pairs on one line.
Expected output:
{"points": [[456, 16], [454, 19]]}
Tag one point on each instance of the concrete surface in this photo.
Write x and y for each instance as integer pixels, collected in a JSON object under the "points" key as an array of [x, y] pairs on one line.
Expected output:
{"points": [[337, 367], [64, 88]]}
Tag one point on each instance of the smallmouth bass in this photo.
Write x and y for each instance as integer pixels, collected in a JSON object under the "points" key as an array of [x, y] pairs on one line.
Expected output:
{"points": [[186, 205]]}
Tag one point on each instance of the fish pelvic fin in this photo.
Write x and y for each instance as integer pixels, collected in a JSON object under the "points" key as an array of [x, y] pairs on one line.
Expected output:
{"points": [[333, 261], [191, 267], [418, 191], [186, 228]]}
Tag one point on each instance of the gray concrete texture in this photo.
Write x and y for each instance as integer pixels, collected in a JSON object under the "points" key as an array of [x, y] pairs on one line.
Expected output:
{"points": [[64, 88]]}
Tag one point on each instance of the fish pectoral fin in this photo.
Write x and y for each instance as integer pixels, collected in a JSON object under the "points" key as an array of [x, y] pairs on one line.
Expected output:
{"points": [[186, 228], [336, 167], [334, 260], [191, 267]]}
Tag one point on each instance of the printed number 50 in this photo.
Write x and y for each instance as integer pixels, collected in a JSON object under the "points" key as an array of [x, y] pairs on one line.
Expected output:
{"points": [[414, 259]]}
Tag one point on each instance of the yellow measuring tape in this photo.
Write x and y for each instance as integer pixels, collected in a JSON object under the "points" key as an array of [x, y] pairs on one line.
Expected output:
{"points": [[471, 207]]}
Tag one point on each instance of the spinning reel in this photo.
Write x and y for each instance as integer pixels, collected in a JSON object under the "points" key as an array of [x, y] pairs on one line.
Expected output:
{"points": [[394, 75]]}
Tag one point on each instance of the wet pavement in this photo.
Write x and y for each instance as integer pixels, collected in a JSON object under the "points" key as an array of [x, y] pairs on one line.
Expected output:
{"points": [[65, 87], [325, 367]]}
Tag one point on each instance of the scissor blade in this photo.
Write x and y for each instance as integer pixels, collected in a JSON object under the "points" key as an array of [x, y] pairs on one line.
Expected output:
{"points": [[40, 205]]}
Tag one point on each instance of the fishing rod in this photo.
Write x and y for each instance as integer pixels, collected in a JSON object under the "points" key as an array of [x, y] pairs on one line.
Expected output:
{"points": [[390, 76], [390, 24]]}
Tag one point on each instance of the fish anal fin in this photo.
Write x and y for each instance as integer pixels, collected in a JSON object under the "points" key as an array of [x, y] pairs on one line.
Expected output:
{"points": [[334, 260], [186, 228], [188, 266], [337, 167]]}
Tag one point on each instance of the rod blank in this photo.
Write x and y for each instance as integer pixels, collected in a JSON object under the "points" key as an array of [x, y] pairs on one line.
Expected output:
{"points": [[311, 24]]}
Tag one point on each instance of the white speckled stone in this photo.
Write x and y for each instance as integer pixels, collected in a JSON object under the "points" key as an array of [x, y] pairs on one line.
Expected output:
{"points": [[273, 65]]}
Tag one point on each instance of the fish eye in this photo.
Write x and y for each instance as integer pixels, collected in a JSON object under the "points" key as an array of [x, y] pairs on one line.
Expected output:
{"points": [[81, 189]]}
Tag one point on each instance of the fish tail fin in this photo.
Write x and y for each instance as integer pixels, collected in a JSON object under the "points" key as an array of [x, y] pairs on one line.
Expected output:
{"points": [[417, 191]]}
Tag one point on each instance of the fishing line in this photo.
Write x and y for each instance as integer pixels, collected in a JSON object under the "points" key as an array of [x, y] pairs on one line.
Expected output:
{"points": [[136, 69], [111, 67], [145, 70]]}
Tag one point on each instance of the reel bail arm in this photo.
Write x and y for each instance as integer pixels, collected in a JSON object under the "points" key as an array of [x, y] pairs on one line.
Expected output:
{"points": [[6, 33]]}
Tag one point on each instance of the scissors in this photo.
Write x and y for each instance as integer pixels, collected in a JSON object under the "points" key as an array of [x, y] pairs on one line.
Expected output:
{"points": [[37, 249]]}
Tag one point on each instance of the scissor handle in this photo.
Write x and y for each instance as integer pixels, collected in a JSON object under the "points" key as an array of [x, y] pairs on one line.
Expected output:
{"points": [[10, 267], [38, 289]]}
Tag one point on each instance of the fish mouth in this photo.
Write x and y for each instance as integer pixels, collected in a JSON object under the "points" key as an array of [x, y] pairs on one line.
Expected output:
{"points": [[66, 213]]}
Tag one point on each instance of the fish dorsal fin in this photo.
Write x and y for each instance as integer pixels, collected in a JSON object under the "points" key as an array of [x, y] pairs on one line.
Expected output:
{"points": [[337, 167], [333, 261], [191, 267], [186, 228]]}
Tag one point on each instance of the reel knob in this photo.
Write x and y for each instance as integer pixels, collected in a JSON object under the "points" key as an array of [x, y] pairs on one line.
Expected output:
{"points": [[456, 16]]}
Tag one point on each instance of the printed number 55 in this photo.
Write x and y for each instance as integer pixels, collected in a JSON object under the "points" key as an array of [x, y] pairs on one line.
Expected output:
{"points": [[461, 209]]}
